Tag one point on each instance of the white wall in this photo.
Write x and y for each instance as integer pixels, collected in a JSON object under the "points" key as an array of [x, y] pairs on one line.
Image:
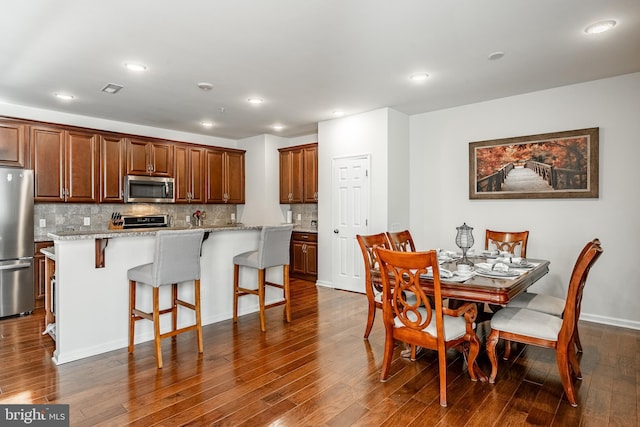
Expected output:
{"points": [[559, 227], [371, 134], [30, 113]]}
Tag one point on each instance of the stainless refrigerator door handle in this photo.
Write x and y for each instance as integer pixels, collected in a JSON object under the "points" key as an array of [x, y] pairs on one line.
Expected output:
{"points": [[15, 266]]}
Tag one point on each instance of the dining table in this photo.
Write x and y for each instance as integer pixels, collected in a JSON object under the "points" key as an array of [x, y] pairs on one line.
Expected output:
{"points": [[480, 287], [483, 284]]}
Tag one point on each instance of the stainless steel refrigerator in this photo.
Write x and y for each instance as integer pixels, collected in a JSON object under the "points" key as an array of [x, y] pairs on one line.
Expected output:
{"points": [[16, 241]]}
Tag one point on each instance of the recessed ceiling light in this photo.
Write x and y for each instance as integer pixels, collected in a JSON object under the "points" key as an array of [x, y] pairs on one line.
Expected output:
{"points": [[206, 123], [205, 86], [255, 101], [132, 66], [64, 96], [418, 77], [600, 26], [277, 127], [338, 113], [495, 56]]}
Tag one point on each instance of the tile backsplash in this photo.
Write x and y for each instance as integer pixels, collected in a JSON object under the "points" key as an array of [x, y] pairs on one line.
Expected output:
{"points": [[60, 217], [308, 213]]}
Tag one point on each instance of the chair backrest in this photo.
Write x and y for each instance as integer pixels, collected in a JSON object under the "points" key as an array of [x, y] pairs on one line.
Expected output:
{"points": [[273, 248], [405, 268], [571, 314], [507, 241], [401, 241], [177, 256], [367, 246]]}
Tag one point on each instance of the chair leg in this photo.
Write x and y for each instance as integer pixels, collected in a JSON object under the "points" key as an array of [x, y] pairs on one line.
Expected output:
{"points": [[132, 319], [370, 318], [442, 366], [174, 307], [287, 292], [507, 350], [261, 275], [577, 340], [236, 274], [565, 374], [156, 325], [389, 344], [492, 340], [474, 350], [196, 285]]}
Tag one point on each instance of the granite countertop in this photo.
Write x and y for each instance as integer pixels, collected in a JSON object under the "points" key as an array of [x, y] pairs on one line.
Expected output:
{"points": [[305, 229], [133, 232]]}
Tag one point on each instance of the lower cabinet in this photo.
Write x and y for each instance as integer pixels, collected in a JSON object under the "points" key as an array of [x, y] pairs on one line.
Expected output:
{"points": [[304, 256], [39, 279]]}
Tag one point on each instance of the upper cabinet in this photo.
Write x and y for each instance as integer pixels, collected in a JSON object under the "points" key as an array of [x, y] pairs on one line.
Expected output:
{"points": [[224, 180], [65, 164], [145, 157], [189, 173], [113, 150], [13, 146], [299, 174]]}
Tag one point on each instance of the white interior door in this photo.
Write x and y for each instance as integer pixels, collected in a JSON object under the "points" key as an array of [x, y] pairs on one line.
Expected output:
{"points": [[350, 193]]}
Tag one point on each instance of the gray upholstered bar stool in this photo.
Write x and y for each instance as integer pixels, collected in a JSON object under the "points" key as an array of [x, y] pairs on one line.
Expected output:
{"points": [[273, 251], [176, 260]]}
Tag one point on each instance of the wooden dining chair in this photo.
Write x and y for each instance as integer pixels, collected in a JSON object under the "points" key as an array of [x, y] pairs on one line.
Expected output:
{"points": [[545, 330], [507, 241], [415, 322], [548, 303], [401, 241], [373, 291]]}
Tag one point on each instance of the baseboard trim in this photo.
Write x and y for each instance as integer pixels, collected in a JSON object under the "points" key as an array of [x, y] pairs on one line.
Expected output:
{"points": [[611, 321]]}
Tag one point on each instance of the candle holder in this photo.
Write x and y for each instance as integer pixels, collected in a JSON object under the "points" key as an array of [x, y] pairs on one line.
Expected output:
{"points": [[464, 240]]}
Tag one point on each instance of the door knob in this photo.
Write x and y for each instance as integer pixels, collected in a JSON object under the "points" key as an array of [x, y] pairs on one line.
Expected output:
{"points": [[336, 231]]}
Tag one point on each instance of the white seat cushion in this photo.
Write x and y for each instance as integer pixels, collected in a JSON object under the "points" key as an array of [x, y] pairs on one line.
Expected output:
{"points": [[539, 302], [454, 327], [527, 322], [247, 259], [142, 274]]}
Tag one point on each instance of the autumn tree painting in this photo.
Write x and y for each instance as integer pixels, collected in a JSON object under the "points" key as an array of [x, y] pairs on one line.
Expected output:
{"points": [[536, 166]]}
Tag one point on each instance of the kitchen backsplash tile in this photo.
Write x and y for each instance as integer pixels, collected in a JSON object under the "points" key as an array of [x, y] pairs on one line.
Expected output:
{"points": [[62, 217]]}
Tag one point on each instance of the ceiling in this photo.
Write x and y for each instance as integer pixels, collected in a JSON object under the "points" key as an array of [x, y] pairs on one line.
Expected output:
{"points": [[304, 58]]}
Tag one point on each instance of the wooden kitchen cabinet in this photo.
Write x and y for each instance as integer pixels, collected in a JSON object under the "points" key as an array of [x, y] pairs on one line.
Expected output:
{"points": [[39, 277], [112, 168], [146, 157], [65, 164], [299, 174], [224, 179], [189, 173], [304, 255], [13, 146]]}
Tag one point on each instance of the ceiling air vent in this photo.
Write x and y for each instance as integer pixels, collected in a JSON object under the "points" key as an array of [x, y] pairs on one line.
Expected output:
{"points": [[111, 88]]}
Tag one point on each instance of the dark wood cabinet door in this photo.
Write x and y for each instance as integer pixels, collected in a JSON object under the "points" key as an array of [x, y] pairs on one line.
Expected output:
{"points": [[39, 279], [291, 179], [161, 158], [304, 255], [81, 166], [47, 161], [189, 174], [112, 168], [138, 157], [311, 259], [214, 183], [13, 148], [310, 156], [234, 174], [297, 262]]}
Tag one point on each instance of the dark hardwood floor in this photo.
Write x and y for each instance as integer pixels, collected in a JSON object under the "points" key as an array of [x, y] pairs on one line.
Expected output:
{"points": [[315, 371]]}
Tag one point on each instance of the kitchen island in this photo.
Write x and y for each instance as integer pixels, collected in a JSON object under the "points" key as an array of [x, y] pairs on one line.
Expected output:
{"points": [[91, 296]]}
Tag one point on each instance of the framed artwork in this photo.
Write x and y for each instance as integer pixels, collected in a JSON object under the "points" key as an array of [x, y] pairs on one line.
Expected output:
{"points": [[545, 166]]}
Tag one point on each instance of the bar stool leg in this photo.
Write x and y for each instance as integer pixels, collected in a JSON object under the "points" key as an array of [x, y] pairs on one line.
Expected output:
{"points": [[287, 292], [236, 274], [132, 306], [196, 285], [156, 325], [174, 308], [261, 279]]}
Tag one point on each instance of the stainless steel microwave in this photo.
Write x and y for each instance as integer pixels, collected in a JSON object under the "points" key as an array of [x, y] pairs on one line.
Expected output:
{"points": [[149, 189]]}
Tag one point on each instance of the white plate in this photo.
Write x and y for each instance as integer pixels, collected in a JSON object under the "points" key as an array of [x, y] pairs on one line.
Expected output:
{"points": [[496, 273]]}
